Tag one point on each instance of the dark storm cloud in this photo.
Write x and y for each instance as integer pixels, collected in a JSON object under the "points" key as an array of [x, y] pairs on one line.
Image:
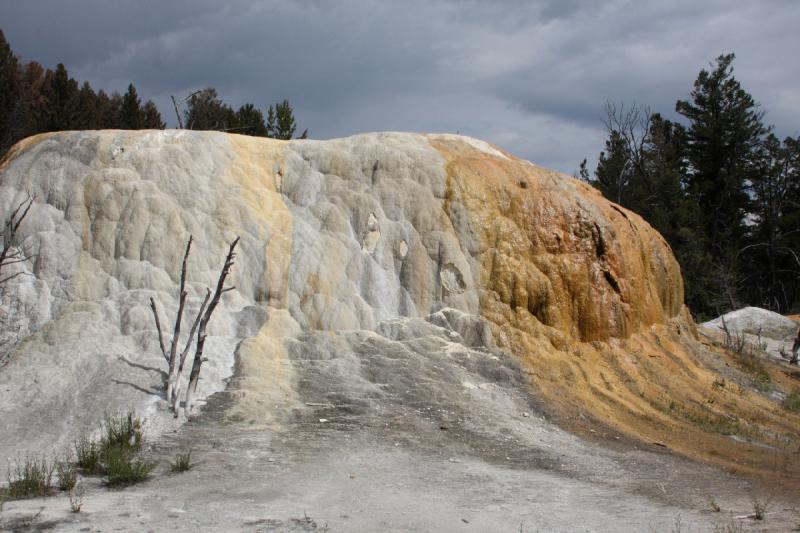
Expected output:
{"points": [[530, 76]]}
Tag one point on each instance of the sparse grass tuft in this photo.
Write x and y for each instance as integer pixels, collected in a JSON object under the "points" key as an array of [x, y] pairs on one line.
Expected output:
{"points": [[730, 527], [87, 455], [748, 357], [183, 462], [123, 468], [67, 473], [122, 439], [792, 401], [123, 431], [31, 478]]}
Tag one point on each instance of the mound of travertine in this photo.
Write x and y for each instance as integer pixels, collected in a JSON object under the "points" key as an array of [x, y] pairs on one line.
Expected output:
{"points": [[435, 244], [766, 330]]}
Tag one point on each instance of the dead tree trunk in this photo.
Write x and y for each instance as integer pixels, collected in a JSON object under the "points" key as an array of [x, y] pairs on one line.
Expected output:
{"points": [[175, 361], [177, 113], [175, 399], [172, 379], [194, 376]]}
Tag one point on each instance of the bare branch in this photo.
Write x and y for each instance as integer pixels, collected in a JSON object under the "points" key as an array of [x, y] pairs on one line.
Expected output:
{"points": [[158, 327], [12, 276], [172, 380], [11, 227], [194, 376], [185, 351]]}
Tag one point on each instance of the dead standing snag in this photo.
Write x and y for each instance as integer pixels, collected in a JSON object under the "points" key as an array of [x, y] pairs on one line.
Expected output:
{"points": [[174, 360], [9, 255], [201, 333]]}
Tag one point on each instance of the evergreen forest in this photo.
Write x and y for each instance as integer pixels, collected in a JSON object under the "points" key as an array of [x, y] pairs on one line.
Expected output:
{"points": [[719, 185]]}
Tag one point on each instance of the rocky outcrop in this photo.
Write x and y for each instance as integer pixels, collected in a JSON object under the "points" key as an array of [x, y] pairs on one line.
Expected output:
{"points": [[403, 244]]}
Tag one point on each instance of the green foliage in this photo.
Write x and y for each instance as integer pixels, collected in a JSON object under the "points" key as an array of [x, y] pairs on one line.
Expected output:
{"points": [[132, 114], [121, 441], [122, 431], [151, 117], [35, 100], [30, 478], [206, 111], [250, 121], [283, 126], [722, 190], [123, 468], [67, 473], [183, 462], [87, 454]]}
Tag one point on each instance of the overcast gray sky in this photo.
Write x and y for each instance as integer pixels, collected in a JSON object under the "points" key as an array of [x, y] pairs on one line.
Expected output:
{"points": [[530, 76]]}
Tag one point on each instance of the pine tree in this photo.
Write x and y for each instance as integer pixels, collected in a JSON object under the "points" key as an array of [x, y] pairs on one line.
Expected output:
{"points": [[103, 107], [722, 144], [88, 117], [206, 111], [112, 117], [285, 126], [152, 118], [131, 115], [10, 87], [250, 121], [772, 255], [61, 94]]}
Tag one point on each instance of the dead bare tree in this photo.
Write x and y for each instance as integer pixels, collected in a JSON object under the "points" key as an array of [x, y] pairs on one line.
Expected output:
{"points": [[177, 111], [175, 361], [12, 253], [632, 125], [194, 375]]}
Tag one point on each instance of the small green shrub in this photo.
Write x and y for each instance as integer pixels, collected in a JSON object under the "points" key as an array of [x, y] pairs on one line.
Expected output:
{"points": [[67, 474], [123, 468], [31, 478], [87, 455], [183, 462], [792, 401], [123, 431]]}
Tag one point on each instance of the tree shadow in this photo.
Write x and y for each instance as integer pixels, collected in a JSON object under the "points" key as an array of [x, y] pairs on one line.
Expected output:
{"points": [[156, 392]]}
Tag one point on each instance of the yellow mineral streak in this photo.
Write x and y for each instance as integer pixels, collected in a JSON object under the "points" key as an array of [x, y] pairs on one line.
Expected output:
{"points": [[265, 371]]}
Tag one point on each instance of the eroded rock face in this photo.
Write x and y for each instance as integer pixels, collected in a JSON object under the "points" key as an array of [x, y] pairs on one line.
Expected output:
{"points": [[421, 241]]}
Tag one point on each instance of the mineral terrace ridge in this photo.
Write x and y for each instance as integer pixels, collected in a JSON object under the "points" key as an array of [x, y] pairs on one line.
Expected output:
{"points": [[434, 281]]}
